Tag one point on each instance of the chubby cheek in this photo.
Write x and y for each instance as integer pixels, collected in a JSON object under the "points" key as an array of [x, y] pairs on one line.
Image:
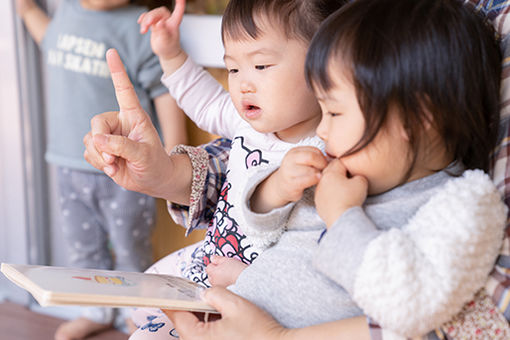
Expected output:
{"points": [[363, 163], [237, 103], [339, 142], [353, 165]]}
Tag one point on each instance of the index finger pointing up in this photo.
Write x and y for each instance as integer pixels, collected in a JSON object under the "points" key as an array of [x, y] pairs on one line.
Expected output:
{"points": [[124, 90]]}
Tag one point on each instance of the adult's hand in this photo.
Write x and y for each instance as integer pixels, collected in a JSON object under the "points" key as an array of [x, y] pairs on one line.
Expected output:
{"points": [[125, 144], [240, 319]]}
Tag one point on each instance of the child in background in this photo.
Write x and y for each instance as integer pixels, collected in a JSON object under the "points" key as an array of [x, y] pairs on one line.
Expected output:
{"points": [[103, 225], [409, 92]]}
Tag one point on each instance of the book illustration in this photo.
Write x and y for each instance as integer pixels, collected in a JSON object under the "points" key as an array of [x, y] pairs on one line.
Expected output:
{"points": [[115, 280]]}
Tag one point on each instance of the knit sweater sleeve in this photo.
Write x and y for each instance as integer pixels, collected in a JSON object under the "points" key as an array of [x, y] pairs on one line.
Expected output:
{"points": [[203, 99], [414, 278], [263, 229]]}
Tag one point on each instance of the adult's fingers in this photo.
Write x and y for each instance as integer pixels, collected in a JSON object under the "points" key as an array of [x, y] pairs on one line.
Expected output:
{"points": [[119, 146], [224, 301], [186, 323], [105, 123], [124, 90], [92, 155]]}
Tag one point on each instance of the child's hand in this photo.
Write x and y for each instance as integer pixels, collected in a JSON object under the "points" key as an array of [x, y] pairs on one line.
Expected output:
{"points": [[223, 271], [23, 6], [336, 192], [164, 26], [301, 168]]}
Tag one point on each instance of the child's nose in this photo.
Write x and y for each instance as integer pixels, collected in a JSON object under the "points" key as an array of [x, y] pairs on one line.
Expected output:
{"points": [[247, 86], [321, 130]]}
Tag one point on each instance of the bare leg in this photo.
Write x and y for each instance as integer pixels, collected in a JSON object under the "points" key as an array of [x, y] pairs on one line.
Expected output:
{"points": [[130, 326], [79, 329]]}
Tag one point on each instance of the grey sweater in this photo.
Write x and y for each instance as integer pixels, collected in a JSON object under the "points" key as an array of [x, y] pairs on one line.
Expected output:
{"points": [[301, 281]]}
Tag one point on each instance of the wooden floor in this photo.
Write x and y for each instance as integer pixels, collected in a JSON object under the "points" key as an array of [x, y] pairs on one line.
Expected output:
{"points": [[20, 323]]}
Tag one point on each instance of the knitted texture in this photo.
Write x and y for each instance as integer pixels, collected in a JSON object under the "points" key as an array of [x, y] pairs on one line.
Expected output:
{"points": [[404, 261]]}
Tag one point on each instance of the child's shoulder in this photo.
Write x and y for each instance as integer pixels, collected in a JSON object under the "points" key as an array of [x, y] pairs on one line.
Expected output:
{"points": [[473, 190]]}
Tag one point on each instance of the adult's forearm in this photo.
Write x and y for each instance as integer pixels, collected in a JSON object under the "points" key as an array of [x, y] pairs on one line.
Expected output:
{"points": [[346, 329]]}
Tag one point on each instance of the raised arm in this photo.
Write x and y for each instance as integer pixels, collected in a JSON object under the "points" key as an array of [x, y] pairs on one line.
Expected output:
{"points": [[36, 21], [164, 27], [126, 146], [201, 97], [171, 120]]}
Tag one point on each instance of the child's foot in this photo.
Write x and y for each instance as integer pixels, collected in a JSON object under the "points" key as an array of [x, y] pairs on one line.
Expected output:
{"points": [[79, 329]]}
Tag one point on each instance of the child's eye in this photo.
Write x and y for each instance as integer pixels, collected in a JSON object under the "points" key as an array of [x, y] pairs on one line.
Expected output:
{"points": [[233, 70], [261, 67], [334, 114]]}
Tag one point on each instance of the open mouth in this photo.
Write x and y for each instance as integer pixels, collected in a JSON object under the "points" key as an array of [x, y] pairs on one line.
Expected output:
{"points": [[251, 111], [251, 107]]}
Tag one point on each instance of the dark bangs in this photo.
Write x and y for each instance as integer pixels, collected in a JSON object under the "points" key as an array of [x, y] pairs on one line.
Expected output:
{"points": [[345, 40], [434, 61], [298, 19]]}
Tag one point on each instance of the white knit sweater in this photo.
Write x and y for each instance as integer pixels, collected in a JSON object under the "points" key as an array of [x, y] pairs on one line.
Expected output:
{"points": [[415, 278]]}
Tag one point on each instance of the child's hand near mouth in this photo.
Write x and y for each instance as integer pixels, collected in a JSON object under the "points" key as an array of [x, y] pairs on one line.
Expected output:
{"points": [[348, 191], [300, 169]]}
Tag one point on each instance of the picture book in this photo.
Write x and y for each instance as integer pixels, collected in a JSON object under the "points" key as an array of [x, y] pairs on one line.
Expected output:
{"points": [[52, 286]]}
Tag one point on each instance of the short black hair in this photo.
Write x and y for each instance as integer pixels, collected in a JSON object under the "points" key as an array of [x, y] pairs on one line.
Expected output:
{"points": [[297, 18], [435, 61]]}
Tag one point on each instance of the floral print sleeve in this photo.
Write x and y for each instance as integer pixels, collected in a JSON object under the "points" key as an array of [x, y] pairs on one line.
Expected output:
{"points": [[209, 164]]}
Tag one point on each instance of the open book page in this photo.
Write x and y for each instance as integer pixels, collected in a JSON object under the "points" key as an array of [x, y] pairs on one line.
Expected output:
{"points": [[73, 286]]}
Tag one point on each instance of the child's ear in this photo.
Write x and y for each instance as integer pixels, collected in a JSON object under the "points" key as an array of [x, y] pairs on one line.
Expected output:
{"points": [[428, 120], [427, 116], [426, 124]]}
